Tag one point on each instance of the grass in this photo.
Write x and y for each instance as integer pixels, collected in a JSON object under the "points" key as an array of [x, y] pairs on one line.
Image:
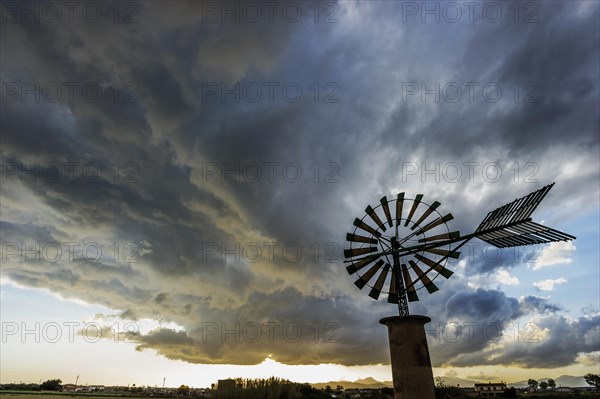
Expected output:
{"points": [[553, 396], [39, 395], [583, 395], [65, 395]]}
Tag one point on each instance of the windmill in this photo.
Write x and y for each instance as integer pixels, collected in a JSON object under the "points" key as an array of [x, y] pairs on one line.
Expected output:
{"points": [[403, 245], [411, 243]]}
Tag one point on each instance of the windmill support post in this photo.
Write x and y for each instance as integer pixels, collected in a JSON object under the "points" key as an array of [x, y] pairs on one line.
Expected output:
{"points": [[409, 353]]}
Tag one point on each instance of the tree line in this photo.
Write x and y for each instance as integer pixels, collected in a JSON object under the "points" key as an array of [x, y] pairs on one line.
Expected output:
{"points": [[270, 388], [591, 379], [49, 385], [277, 388]]}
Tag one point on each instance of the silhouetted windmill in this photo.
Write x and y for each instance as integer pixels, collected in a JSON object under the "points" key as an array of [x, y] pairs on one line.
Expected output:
{"points": [[405, 253], [407, 249]]}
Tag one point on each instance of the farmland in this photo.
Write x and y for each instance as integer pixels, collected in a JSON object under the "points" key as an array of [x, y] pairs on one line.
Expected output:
{"points": [[64, 395]]}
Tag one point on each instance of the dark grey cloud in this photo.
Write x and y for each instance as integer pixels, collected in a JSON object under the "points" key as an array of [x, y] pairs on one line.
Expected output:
{"points": [[182, 220], [567, 339]]}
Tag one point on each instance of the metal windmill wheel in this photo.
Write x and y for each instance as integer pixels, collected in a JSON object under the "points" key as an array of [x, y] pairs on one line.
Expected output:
{"points": [[400, 223], [409, 244]]}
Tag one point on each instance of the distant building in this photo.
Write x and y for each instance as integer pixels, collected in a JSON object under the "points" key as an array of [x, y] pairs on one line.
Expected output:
{"points": [[69, 387], [490, 389]]}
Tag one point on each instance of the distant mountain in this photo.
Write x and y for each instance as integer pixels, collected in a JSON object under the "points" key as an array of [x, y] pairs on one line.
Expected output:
{"points": [[570, 381], [562, 381], [519, 384], [368, 382]]}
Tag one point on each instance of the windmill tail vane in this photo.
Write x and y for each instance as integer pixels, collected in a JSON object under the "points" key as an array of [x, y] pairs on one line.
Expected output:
{"points": [[511, 225], [413, 249]]}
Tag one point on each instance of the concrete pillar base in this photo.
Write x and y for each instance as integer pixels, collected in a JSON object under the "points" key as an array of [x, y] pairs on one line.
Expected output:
{"points": [[411, 365]]}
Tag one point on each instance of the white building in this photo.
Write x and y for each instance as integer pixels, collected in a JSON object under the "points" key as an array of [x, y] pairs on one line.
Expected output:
{"points": [[490, 389]]}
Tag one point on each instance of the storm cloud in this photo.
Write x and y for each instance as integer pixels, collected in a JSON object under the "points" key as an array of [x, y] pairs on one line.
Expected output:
{"points": [[180, 195]]}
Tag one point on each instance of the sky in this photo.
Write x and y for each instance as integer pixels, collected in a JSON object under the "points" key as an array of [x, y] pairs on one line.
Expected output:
{"points": [[178, 179]]}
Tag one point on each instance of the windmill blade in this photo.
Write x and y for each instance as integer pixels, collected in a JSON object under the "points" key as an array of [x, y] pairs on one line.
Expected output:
{"points": [[517, 211], [425, 214], [434, 265], [444, 236], [362, 225], [376, 290], [373, 215], [435, 223], [393, 294], [429, 285], [364, 279], [399, 205], [386, 209], [357, 238], [444, 252], [350, 253], [411, 292], [353, 268], [415, 204]]}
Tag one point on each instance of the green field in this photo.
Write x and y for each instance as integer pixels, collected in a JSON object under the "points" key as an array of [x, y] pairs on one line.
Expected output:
{"points": [[41, 395], [552, 396], [562, 396], [62, 395]]}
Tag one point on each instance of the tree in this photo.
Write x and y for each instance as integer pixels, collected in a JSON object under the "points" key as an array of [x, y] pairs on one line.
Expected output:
{"points": [[51, 385], [544, 385], [183, 390], [339, 388], [531, 383], [439, 382], [593, 380], [551, 383], [510, 393]]}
